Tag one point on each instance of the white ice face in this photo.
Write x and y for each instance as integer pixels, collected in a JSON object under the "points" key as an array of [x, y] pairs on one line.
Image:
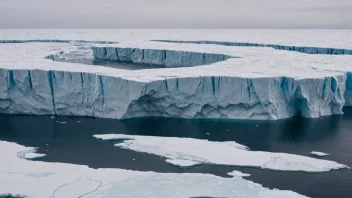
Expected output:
{"points": [[37, 179], [219, 153]]}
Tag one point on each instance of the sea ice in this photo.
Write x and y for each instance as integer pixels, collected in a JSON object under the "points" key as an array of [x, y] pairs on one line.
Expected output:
{"points": [[319, 154], [238, 174], [29, 154], [220, 153], [182, 163], [42, 180]]}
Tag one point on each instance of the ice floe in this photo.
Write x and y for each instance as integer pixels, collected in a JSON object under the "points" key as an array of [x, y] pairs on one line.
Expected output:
{"points": [[29, 154], [42, 180], [182, 163], [319, 154], [220, 153], [238, 174]]}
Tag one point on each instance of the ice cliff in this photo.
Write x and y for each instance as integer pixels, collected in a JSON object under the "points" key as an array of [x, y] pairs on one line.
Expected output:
{"points": [[87, 94], [307, 50], [168, 58]]}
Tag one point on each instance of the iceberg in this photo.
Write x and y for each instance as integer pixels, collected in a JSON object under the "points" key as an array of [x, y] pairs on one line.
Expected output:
{"points": [[207, 152], [238, 174], [43, 179]]}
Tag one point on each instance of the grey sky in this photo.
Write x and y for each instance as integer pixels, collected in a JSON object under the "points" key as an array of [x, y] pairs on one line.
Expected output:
{"points": [[175, 14]]}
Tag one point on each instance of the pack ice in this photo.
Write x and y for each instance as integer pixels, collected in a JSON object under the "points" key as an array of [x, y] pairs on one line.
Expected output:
{"points": [[200, 79], [25, 178], [196, 151]]}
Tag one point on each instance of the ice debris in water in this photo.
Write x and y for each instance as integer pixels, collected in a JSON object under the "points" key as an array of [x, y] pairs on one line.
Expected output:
{"points": [[319, 154], [182, 163], [29, 154], [238, 174]]}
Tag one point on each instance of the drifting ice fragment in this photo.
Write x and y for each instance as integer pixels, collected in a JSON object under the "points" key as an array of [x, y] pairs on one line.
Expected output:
{"points": [[319, 154], [182, 163], [29, 154], [238, 174], [207, 152]]}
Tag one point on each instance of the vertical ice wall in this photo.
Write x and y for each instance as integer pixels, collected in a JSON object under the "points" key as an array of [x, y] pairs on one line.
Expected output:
{"points": [[307, 50], [168, 58], [348, 93], [87, 94]]}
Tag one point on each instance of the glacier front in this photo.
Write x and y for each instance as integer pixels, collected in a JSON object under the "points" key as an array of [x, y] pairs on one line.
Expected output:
{"points": [[205, 81]]}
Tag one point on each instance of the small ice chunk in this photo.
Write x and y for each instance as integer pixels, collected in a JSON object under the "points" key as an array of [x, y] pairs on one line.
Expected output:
{"points": [[33, 155], [182, 163], [238, 174], [62, 122], [78, 121], [319, 154], [52, 117], [30, 154]]}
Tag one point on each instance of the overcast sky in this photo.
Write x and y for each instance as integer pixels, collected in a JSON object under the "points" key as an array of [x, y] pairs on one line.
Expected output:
{"points": [[175, 14]]}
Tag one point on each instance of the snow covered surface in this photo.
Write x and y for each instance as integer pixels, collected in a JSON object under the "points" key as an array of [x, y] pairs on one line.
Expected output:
{"points": [[42, 180], [238, 174], [220, 153], [258, 83], [182, 163], [314, 38], [319, 154]]}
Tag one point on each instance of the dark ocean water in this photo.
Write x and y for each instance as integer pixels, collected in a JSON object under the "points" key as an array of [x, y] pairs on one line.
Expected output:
{"points": [[73, 143]]}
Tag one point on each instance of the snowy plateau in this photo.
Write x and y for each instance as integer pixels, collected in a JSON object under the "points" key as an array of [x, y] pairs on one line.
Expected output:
{"points": [[219, 74]]}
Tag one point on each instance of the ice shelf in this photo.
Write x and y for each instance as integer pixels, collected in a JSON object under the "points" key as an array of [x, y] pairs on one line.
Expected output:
{"points": [[302, 49], [230, 82]]}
